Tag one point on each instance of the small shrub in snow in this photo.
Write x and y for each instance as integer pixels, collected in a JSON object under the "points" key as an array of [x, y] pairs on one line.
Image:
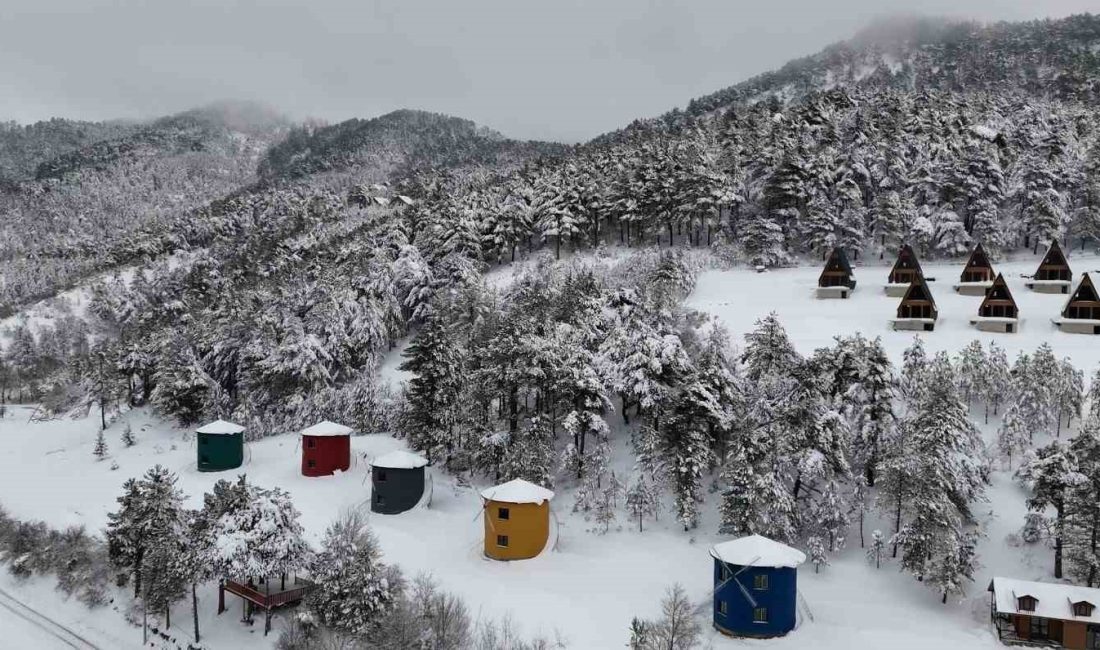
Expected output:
{"points": [[100, 449], [128, 436]]}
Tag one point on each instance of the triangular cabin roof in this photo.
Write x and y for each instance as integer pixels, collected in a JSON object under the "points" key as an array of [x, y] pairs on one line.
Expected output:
{"points": [[220, 428], [918, 291], [998, 293], [837, 263], [1054, 257], [978, 260], [1085, 295], [906, 261]]}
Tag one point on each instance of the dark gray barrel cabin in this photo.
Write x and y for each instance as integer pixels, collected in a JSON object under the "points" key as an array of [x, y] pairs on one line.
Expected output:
{"points": [[397, 482]]}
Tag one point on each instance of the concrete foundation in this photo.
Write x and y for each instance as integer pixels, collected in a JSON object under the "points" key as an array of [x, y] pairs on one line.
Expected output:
{"points": [[973, 288], [914, 324], [1048, 286], [999, 325], [833, 292], [896, 290], [1082, 326]]}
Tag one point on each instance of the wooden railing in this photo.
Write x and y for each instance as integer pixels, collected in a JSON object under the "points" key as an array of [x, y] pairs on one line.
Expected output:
{"points": [[270, 600]]}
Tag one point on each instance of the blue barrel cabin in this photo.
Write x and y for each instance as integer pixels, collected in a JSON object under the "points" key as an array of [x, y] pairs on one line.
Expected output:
{"points": [[397, 482], [755, 587]]}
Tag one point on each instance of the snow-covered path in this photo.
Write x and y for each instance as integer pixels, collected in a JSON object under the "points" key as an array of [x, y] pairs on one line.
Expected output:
{"points": [[33, 629]]}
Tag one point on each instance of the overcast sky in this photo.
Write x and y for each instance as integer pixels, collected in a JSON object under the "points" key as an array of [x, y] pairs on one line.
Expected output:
{"points": [[551, 69]]}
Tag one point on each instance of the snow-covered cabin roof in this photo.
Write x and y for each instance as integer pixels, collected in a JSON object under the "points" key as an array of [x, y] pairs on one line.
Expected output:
{"points": [[404, 199], [1053, 600], [400, 460], [758, 551], [220, 428], [327, 428], [380, 200], [517, 491]]}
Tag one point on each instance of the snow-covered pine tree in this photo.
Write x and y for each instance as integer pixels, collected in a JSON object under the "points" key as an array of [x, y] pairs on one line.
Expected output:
{"points": [[970, 370], [768, 350], [1013, 436], [150, 513], [914, 371], [128, 436], [1051, 474], [354, 588], [259, 537], [997, 382], [870, 410], [952, 569], [435, 359], [1082, 527], [818, 555], [877, 549], [100, 449], [641, 500], [1069, 394]]}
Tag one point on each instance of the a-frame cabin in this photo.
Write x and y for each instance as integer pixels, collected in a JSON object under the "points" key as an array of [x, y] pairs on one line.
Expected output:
{"points": [[1053, 274], [917, 310], [1081, 315], [998, 312], [977, 276], [837, 279], [905, 272]]}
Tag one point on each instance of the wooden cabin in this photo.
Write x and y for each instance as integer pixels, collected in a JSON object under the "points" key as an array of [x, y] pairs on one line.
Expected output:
{"points": [[977, 276], [755, 587], [1043, 614], [905, 272], [1081, 315], [998, 312], [917, 310], [517, 520], [1053, 274], [837, 279]]}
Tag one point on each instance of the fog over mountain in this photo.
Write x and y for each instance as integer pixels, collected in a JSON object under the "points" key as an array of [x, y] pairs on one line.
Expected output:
{"points": [[563, 71]]}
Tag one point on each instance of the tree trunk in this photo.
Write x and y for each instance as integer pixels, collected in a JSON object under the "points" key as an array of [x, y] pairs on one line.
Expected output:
{"points": [[195, 610], [897, 527], [1058, 522]]}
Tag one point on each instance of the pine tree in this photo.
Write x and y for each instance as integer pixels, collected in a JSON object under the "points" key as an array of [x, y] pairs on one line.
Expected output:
{"points": [[1013, 436], [997, 381], [877, 548], [1082, 527], [641, 500], [1051, 475], [150, 515], [818, 555], [354, 588], [128, 436], [871, 410], [970, 370], [954, 566], [100, 450], [913, 373], [433, 393]]}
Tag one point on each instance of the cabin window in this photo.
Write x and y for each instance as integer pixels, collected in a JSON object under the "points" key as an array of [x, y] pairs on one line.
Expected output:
{"points": [[311, 463], [381, 476], [311, 443], [379, 499], [1040, 627], [1026, 603], [760, 615], [722, 608], [760, 582], [502, 541], [502, 513], [1082, 609]]}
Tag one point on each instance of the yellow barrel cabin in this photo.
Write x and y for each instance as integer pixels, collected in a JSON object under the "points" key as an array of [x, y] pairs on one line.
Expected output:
{"points": [[517, 520]]}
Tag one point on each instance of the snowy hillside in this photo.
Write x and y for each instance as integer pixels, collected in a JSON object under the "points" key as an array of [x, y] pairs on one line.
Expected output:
{"points": [[47, 471]]}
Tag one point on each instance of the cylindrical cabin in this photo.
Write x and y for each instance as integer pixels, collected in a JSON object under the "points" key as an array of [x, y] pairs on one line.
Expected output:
{"points": [[397, 482], [220, 446], [755, 587], [326, 449], [517, 520]]}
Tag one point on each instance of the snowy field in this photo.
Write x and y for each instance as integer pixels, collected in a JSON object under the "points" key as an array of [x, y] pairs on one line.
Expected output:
{"points": [[590, 587]]}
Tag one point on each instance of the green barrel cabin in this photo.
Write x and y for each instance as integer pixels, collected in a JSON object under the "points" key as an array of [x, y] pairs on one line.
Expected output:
{"points": [[220, 446]]}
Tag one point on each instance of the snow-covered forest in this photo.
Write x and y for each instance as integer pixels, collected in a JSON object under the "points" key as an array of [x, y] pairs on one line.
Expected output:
{"points": [[516, 309]]}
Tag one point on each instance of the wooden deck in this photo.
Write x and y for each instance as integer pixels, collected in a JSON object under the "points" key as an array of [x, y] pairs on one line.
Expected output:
{"points": [[263, 598]]}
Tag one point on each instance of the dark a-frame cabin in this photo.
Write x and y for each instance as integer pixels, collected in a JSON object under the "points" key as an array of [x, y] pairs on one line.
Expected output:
{"points": [[1081, 314], [977, 275], [1053, 274], [998, 311], [917, 310], [837, 279], [906, 271]]}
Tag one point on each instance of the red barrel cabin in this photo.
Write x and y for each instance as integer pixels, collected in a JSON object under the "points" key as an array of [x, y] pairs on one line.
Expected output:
{"points": [[326, 449]]}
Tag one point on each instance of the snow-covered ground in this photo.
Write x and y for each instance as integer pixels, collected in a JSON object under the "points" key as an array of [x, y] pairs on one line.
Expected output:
{"points": [[590, 587]]}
